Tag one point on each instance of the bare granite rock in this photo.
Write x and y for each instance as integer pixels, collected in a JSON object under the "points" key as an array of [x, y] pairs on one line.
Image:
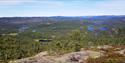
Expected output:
{"points": [[122, 52], [74, 57], [104, 47]]}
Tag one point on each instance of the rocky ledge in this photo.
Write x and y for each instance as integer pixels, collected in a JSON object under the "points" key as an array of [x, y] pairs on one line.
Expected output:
{"points": [[82, 56]]}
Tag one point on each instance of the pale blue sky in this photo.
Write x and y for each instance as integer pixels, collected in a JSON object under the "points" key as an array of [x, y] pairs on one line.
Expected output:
{"points": [[10, 8]]}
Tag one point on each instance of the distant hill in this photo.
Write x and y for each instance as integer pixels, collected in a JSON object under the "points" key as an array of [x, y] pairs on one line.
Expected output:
{"points": [[13, 24]]}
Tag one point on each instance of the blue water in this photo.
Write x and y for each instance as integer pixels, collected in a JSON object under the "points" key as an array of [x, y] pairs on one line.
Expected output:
{"points": [[90, 28], [103, 28]]}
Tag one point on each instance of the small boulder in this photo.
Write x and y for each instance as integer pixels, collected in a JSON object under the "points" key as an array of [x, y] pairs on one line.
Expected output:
{"points": [[122, 52]]}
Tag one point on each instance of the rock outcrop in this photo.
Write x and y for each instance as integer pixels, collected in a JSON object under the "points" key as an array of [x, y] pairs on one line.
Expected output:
{"points": [[73, 57]]}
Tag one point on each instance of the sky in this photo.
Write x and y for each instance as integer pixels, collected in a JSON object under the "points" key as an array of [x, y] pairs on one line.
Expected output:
{"points": [[30, 8]]}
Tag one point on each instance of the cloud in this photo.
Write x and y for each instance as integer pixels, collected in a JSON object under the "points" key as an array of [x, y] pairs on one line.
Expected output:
{"points": [[13, 2], [31, 3], [50, 3], [113, 4]]}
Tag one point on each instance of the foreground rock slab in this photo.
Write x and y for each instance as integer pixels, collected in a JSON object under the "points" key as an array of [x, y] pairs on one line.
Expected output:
{"points": [[74, 57]]}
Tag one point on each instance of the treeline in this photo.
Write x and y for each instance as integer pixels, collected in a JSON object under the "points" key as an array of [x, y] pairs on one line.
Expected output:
{"points": [[21, 46], [76, 40], [13, 47]]}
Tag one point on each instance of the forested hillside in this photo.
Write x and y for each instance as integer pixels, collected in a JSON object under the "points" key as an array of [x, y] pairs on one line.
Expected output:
{"points": [[22, 37]]}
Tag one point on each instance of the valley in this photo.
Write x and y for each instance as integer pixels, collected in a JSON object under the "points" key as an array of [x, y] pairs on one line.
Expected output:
{"points": [[22, 37]]}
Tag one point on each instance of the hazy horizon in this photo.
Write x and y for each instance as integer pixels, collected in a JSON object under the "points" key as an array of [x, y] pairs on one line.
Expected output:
{"points": [[47, 8], [62, 16]]}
